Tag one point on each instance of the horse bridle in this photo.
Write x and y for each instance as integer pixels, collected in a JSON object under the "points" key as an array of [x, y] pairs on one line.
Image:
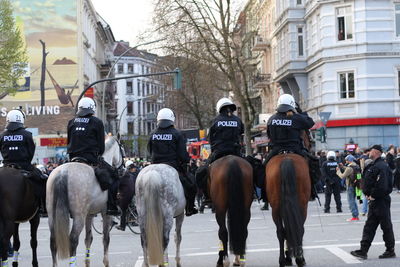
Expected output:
{"points": [[121, 167]]}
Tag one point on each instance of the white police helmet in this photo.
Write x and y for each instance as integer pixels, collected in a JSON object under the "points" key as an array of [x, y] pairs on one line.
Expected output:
{"points": [[223, 102], [165, 118], [86, 106], [331, 155], [285, 103], [15, 119], [128, 163]]}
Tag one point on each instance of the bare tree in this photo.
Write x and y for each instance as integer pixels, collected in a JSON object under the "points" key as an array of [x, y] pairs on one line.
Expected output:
{"points": [[212, 26]]}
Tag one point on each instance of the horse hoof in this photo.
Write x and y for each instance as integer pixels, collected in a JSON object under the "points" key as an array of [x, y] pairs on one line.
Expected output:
{"points": [[300, 262], [288, 262]]}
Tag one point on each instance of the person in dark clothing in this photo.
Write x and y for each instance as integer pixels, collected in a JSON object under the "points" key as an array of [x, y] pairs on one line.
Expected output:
{"points": [[225, 137], [332, 182], [86, 142], [377, 187], [126, 191], [17, 148], [167, 145], [284, 131], [390, 156], [396, 174]]}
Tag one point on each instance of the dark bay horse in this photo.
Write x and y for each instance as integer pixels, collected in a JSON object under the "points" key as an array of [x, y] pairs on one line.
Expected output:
{"points": [[231, 191], [288, 189], [17, 204]]}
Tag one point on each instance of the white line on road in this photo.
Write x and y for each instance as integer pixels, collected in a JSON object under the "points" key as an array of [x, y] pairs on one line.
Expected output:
{"points": [[139, 263], [343, 255]]}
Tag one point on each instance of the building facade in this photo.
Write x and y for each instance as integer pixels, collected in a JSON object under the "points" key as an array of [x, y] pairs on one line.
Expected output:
{"points": [[137, 100], [340, 57]]}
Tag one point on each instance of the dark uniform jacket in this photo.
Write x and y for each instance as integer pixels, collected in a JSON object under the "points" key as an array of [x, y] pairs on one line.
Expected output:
{"points": [[17, 147], [225, 133], [86, 138], [285, 131], [378, 180], [167, 145], [328, 170]]}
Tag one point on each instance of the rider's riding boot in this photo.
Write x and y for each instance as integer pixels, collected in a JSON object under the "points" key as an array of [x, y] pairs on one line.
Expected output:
{"points": [[122, 226], [112, 208], [315, 174]]}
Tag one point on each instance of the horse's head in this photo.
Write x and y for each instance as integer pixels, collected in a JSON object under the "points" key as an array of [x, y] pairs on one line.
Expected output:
{"points": [[114, 152]]}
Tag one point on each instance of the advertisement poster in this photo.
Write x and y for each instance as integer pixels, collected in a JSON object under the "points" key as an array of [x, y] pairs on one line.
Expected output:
{"points": [[48, 92]]}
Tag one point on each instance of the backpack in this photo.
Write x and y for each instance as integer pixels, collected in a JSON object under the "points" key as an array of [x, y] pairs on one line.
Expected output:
{"points": [[355, 178]]}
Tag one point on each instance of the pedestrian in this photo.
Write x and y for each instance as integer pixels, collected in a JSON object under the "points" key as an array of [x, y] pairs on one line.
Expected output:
{"points": [[367, 165], [332, 182], [348, 175], [397, 171], [377, 188]]}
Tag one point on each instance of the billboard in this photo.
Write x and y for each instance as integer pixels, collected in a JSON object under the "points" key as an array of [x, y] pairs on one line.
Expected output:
{"points": [[49, 90]]}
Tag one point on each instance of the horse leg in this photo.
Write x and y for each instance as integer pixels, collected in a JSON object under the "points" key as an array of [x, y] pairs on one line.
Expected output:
{"points": [[178, 238], [53, 245], [143, 241], [300, 261], [288, 255], [88, 238], [168, 223], [281, 237], [223, 260], [8, 227], [107, 220], [77, 227], [34, 222], [16, 245]]}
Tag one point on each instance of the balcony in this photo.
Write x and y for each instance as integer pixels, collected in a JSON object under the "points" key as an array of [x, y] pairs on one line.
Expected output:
{"points": [[261, 80], [261, 43]]}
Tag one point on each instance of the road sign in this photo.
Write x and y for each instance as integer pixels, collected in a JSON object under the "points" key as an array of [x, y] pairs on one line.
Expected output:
{"points": [[324, 116]]}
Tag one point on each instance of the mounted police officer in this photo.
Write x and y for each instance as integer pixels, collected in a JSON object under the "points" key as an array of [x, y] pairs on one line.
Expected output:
{"points": [[167, 145], [17, 148], [225, 137], [378, 184], [86, 143], [332, 182], [284, 131]]}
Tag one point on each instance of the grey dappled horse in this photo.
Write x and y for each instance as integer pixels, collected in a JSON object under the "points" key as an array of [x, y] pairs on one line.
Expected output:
{"points": [[159, 199], [72, 189]]}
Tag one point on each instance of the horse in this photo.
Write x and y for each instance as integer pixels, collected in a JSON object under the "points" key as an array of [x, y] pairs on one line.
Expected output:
{"points": [[230, 185], [288, 189], [159, 199], [17, 204], [73, 190]]}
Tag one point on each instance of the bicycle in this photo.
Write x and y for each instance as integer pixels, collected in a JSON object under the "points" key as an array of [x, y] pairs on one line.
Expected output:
{"points": [[131, 220]]}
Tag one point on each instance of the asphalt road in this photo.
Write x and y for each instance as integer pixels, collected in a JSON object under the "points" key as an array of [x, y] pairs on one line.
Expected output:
{"points": [[327, 242]]}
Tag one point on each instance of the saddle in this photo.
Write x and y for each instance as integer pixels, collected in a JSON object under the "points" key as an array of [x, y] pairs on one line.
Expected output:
{"points": [[81, 160]]}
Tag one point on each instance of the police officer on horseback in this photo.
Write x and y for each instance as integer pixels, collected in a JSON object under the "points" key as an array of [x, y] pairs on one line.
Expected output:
{"points": [[225, 137], [86, 143], [167, 145], [17, 148], [284, 131]]}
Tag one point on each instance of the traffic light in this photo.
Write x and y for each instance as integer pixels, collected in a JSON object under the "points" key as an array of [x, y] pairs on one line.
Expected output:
{"points": [[178, 79], [321, 135]]}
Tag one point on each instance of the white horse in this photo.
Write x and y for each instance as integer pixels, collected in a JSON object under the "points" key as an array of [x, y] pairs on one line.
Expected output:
{"points": [[159, 199], [73, 190]]}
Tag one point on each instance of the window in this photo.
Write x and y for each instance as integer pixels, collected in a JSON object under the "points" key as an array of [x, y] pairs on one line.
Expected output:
{"points": [[130, 68], [120, 68], [148, 107], [130, 127], [138, 87], [300, 42], [344, 23], [346, 83], [299, 2], [397, 10], [129, 87], [129, 107], [147, 89], [398, 80], [143, 69], [139, 108]]}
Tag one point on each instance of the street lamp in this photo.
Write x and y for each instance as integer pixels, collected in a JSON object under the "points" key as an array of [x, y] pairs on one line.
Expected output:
{"points": [[112, 68]]}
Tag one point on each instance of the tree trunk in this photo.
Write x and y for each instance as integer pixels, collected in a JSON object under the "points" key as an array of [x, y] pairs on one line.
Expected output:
{"points": [[43, 75]]}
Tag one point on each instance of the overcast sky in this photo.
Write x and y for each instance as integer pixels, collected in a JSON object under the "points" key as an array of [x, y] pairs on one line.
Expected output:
{"points": [[127, 18]]}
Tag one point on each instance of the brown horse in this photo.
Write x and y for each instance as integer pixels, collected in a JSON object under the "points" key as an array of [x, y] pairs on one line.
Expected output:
{"points": [[17, 204], [231, 191], [288, 189]]}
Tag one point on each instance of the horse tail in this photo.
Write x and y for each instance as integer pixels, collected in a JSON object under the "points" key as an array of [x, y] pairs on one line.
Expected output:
{"points": [[236, 210], [154, 218], [291, 214], [61, 216]]}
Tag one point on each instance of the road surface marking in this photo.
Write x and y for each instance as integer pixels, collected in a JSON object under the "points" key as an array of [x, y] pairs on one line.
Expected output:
{"points": [[343, 255]]}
